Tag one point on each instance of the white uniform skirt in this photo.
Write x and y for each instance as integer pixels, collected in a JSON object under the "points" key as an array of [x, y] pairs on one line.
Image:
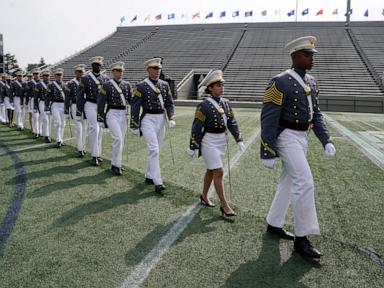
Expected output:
{"points": [[8, 104], [213, 148], [30, 106]]}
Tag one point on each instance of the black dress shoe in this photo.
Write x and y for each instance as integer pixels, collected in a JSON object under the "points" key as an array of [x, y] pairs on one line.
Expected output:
{"points": [[81, 154], [95, 162], [305, 249], [100, 159], [60, 144], [281, 232], [35, 136], [116, 170], [159, 188], [48, 140], [149, 181]]}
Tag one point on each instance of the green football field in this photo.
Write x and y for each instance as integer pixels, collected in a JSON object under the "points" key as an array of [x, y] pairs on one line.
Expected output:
{"points": [[65, 223]]}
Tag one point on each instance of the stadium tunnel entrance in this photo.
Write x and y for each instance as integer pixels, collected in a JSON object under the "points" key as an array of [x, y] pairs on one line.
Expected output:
{"points": [[189, 88]]}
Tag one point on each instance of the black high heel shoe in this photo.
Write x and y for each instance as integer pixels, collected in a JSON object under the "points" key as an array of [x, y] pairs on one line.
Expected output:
{"points": [[232, 214], [203, 202]]}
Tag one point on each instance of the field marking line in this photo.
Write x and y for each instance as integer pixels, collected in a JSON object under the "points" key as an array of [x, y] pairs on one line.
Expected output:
{"points": [[38, 145], [142, 270], [375, 155]]}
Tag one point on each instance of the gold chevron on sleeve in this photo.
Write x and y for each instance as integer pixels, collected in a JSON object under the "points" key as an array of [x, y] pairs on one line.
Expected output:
{"points": [[273, 95], [200, 115]]}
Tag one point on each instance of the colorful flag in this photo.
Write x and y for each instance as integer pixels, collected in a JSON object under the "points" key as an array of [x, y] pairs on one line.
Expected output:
{"points": [[366, 13], [264, 13], [236, 13], [134, 19], [122, 19], [158, 17], [349, 13], [222, 14], [305, 12], [248, 13], [147, 18], [196, 15], [382, 12], [335, 12], [171, 16], [291, 13], [320, 12], [209, 15]]}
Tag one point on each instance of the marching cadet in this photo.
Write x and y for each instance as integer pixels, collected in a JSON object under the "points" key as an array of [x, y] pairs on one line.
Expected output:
{"points": [[89, 91], [3, 113], [72, 89], [8, 100], [154, 96], [31, 85], [18, 99], [290, 109], [213, 117], [40, 96], [116, 94], [54, 104], [28, 101]]}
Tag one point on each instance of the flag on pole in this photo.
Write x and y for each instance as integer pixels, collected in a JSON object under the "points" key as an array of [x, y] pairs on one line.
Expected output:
{"points": [[158, 17], [147, 18], [196, 15], [291, 13], [236, 13], [122, 19], [320, 12], [305, 12], [171, 16], [248, 13], [349, 13], [382, 12], [222, 14], [366, 13], [209, 15], [134, 19], [264, 13], [335, 12]]}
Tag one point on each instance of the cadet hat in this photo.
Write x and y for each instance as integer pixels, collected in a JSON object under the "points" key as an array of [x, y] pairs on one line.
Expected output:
{"points": [[59, 71], [153, 62], [213, 77], [118, 66], [36, 71], [46, 72], [19, 73], [306, 43], [29, 74], [97, 60], [80, 67]]}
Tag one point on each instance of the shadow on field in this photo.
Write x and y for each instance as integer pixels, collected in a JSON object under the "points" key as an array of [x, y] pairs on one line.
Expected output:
{"points": [[268, 270]]}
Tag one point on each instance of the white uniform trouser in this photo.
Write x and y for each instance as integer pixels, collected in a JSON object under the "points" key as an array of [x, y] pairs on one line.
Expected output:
{"points": [[153, 129], [59, 120], [295, 185], [44, 120], [117, 125], [20, 112], [95, 132], [80, 129], [3, 114]]}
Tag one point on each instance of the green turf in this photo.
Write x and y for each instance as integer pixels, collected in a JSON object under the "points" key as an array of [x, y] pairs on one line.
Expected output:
{"points": [[82, 227]]}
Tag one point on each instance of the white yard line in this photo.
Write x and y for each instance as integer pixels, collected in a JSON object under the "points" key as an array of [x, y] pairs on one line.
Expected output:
{"points": [[38, 145], [142, 270]]}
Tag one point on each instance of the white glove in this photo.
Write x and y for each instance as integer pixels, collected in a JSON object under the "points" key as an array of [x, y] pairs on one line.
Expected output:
{"points": [[101, 124], [172, 124], [135, 132], [79, 118], [269, 163], [191, 153], [330, 150], [241, 146]]}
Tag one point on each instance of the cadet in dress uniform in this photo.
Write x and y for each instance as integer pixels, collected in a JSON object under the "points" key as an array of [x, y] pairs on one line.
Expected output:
{"points": [[8, 100], [30, 95], [154, 97], [40, 96], [26, 95], [116, 94], [72, 90], [3, 110], [54, 104], [89, 91], [18, 99], [290, 109], [213, 117]]}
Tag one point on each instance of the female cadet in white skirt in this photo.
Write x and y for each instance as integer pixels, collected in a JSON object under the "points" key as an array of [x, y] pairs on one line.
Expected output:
{"points": [[213, 117]]}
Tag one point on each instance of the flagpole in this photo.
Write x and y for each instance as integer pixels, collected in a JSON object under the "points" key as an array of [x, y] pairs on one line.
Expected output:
{"points": [[297, 7], [348, 13]]}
